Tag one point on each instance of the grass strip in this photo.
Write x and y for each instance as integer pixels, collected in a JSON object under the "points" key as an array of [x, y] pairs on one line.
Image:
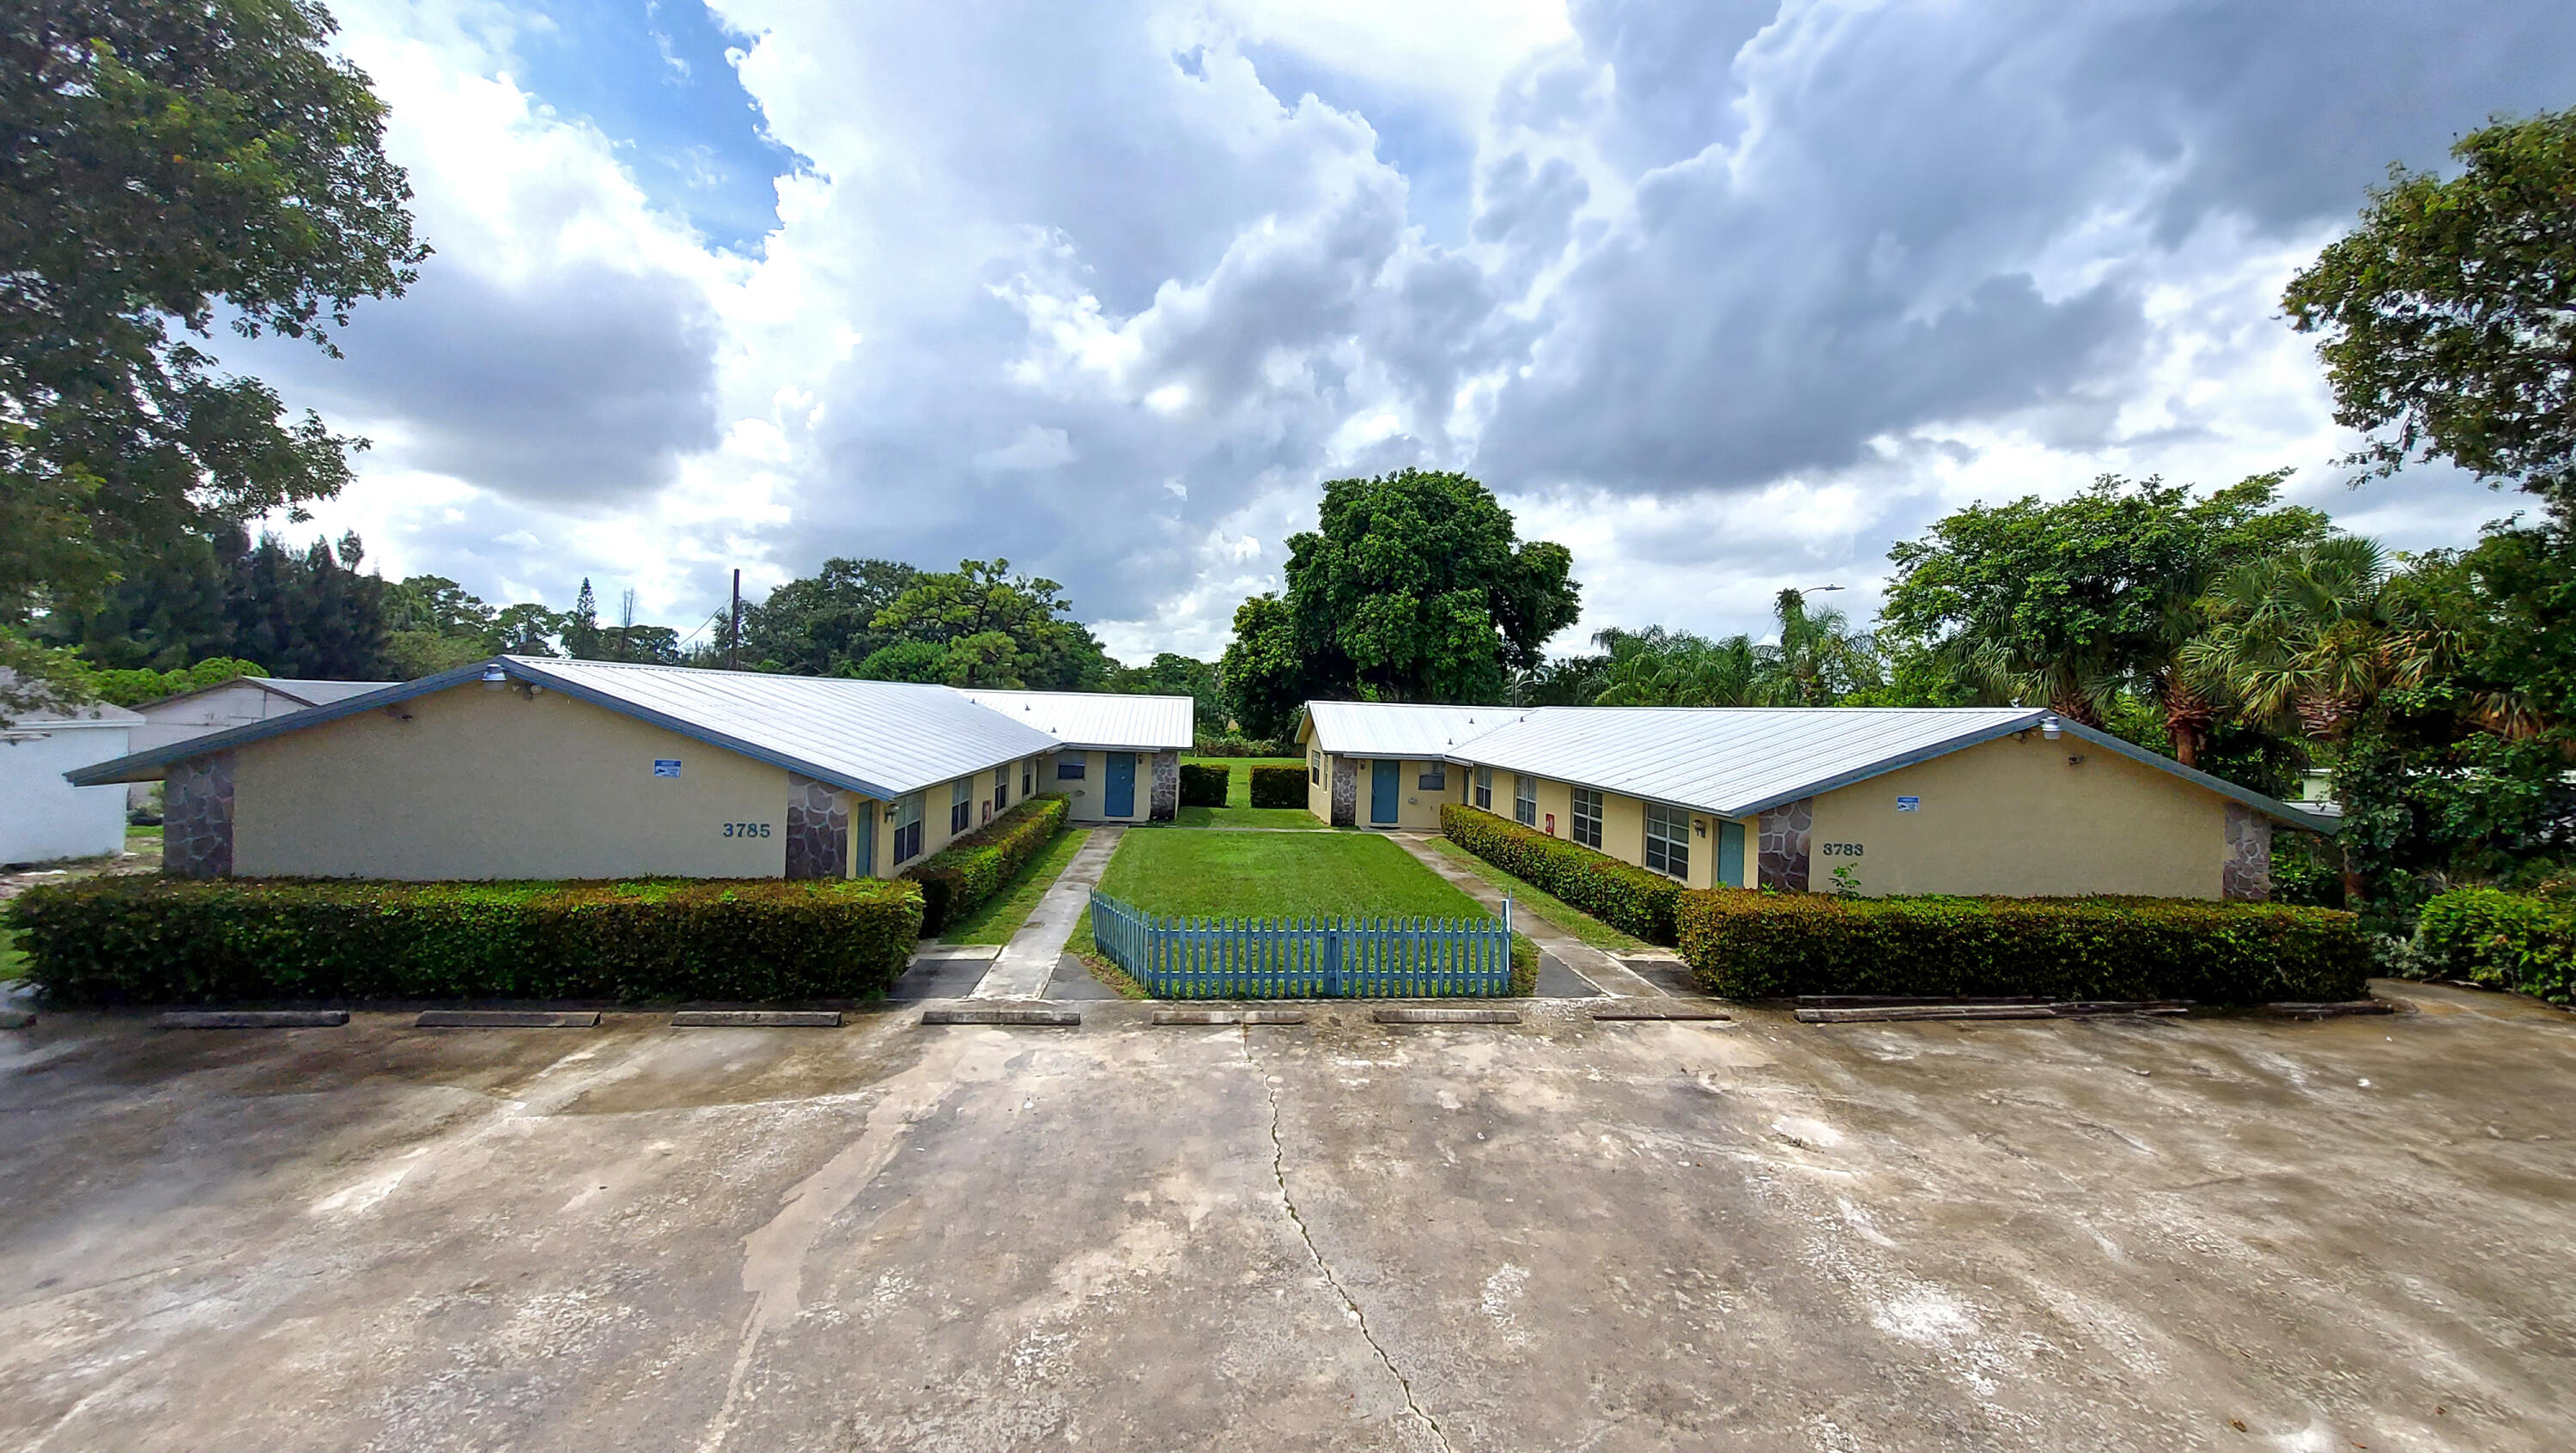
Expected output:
{"points": [[1545, 904], [1003, 913]]}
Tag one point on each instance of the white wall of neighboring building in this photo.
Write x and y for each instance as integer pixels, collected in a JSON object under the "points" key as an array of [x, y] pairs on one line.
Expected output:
{"points": [[43, 817], [178, 718]]}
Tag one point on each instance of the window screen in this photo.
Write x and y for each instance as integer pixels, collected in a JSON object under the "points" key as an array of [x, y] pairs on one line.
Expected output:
{"points": [[1667, 840], [1587, 817], [1525, 799], [1069, 769], [1315, 766], [907, 828], [961, 806], [1485, 788], [1001, 788], [1435, 780]]}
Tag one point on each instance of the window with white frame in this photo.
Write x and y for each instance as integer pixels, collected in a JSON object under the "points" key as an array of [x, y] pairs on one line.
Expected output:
{"points": [[961, 805], [907, 828], [1314, 764], [1485, 788], [1001, 787], [1667, 840], [1525, 799], [1587, 817], [1028, 776]]}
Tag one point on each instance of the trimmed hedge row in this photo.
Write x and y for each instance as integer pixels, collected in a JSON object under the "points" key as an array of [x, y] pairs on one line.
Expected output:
{"points": [[957, 879], [1622, 895], [136, 939], [1203, 786], [2503, 940], [1278, 786], [1744, 944]]}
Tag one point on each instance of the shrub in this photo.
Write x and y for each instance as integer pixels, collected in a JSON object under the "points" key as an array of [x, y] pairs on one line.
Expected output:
{"points": [[1244, 747], [136, 939], [2516, 941], [1622, 895], [957, 879], [1754, 945], [1278, 786], [1203, 786]]}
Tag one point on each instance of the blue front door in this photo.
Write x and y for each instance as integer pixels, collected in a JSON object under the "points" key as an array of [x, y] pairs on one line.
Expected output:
{"points": [[1385, 781], [863, 863], [1122, 785]]}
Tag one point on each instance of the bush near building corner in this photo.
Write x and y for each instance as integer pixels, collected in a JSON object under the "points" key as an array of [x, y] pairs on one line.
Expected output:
{"points": [[957, 879], [2520, 941], [134, 939], [1203, 786], [1744, 944], [1278, 786], [1622, 895]]}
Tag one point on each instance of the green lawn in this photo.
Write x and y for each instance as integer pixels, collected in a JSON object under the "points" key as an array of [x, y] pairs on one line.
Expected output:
{"points": [[1238, 810], [1002, 914], [152, 831], [1280, 875], [1543, 903], [11, 958]]}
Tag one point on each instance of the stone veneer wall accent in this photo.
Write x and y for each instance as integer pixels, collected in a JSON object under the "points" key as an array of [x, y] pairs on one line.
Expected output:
{"points": [[2247, 877], [1167, 785], [1785, 830], [197, 818], [1346, 792], [818, 829]]}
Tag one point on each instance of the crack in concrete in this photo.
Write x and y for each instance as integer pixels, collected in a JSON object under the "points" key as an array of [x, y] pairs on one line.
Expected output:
{"points": [[1305, 1234]]}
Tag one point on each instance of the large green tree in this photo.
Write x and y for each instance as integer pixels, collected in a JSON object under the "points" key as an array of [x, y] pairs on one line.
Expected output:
{"points": [[167, 163], [1415, 587], [2447, 319], [814, 625], [2069, 604], [992, 628]]}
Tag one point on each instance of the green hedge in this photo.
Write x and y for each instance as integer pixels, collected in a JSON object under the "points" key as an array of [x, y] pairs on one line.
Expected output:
{"points": [[135, 939], [1622, 895], [1278, 786], [957, 879], [1203, 786], [2516, 941], [1744, 944]]}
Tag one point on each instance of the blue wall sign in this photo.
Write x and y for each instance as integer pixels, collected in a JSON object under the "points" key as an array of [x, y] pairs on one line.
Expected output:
{"points": [[1909, 804], [666, 766]]}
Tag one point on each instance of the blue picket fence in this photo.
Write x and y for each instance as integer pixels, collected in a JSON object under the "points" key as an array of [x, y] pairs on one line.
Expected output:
{"points": [[1316, 958]]}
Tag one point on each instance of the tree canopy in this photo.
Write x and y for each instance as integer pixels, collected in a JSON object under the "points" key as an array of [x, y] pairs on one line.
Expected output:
{"points": [[990, 628], [168, 161], [815, 624], [2447, 319], [1415, 587], [2067, 604]]}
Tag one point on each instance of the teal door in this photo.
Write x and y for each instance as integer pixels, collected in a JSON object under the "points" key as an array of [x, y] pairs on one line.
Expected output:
{"points": [[863, 863], [1730, 853], [1122, 785], [1386, 779]]}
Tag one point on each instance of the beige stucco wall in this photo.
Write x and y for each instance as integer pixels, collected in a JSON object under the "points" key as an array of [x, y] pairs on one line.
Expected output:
{"points": [[938, 797], [1623, 824], [1319, 782], [1417, 808], [2011, 817], [1089, 795], [491, 784]]}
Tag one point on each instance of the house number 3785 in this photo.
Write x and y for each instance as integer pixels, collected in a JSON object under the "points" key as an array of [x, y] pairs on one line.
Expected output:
{"points": [[746, 829]]}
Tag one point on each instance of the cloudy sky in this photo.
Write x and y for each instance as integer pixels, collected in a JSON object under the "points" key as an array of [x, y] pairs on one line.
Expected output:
{"points": [[1725, 297]]}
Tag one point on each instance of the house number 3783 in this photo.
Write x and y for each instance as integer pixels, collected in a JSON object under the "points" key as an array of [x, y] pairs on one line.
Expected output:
{"points": [[1839, 850], [746, 829]]}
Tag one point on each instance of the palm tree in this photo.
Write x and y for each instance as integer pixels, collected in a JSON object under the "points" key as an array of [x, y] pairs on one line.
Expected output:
{"points": [[2303, 639], [1654, 667], [1820, 658]]}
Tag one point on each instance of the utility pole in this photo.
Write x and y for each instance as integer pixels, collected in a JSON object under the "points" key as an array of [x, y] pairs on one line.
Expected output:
{"points": [[733, 631]]}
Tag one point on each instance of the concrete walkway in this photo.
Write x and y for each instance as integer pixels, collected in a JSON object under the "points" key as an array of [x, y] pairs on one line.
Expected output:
{"points": [[1603, 971], [1022, 968]]}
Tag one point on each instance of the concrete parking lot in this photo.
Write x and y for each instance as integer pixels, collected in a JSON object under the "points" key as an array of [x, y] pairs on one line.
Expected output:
{"points": [[2220, 1233]]}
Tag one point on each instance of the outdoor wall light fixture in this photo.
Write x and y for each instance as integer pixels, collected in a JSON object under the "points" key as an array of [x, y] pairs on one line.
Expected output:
{"points": [[2049, 728], [494, 678]]}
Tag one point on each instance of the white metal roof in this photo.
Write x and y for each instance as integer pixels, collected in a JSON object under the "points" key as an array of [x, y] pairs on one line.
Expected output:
{"points": [[1393, 729], [319, 693], [1732, 760], [1098, 719], [884, 738]]}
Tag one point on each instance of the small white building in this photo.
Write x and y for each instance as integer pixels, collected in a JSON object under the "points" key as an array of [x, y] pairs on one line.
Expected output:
{"points": [[44, 818]]}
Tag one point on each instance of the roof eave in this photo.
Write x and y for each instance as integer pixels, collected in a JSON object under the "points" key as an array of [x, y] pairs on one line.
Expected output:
{"points": [[2271, 807], [146, 765]]}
